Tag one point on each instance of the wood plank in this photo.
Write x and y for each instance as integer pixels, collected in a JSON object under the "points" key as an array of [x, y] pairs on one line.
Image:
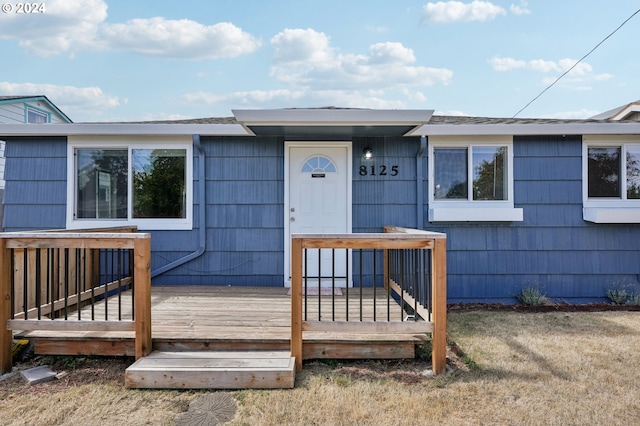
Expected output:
{"points": [[6, 337], [71, 301], [439, 292], [355, 327], [87, 347], [142, 286], [347, 350], [420, 310], [70, 325], [212, 370], [218, 355], [365, 241], [296, 302]]}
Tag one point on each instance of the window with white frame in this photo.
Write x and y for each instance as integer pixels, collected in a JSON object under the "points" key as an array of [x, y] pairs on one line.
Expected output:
{"points": [[137, 182], [611, 179], [471, 179], [36, 116]]}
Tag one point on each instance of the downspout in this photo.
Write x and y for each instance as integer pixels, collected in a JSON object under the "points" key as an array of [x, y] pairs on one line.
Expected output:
{"points": [[202, 231], [419, 183]]}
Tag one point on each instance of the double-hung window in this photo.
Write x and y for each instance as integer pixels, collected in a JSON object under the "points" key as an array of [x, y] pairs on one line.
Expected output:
{"points": [[471, 179], [139, 181], [611, 179]]}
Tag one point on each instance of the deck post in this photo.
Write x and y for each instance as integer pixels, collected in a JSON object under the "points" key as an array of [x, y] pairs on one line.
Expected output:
{"points": [[439, 294], [142, 286], [6, 336], [296, 302]]}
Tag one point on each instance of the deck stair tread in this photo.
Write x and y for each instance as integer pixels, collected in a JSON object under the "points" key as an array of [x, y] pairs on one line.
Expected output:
{"points": [[212, 370]]}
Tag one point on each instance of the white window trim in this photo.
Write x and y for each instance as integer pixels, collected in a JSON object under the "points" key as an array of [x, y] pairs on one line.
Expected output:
{"points": [[607, 210], [30, 108], [472, 211], [129, 143]]}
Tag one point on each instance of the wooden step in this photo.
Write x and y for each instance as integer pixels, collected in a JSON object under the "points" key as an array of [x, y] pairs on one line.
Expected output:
{"points": [[212, 370]]}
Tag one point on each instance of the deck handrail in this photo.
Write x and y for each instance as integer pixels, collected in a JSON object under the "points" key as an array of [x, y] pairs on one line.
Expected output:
{"points": [[29, 246], [392, 238]]}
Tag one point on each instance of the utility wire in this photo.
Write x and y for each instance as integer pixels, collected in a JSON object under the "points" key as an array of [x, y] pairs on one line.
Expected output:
{"points": [[576, 64]]}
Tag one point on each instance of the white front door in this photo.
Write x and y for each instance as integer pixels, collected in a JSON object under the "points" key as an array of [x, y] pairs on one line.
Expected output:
{"points": [[318, 201]]}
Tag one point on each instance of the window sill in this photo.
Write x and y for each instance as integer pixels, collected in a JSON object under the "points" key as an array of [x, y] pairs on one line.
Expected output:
{"points": [[611, 214], [143, 225], [471, 214]]}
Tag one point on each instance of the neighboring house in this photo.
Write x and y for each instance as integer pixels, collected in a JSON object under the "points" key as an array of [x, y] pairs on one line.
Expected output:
{"points": [[30, 109], [26, 109], [524, 202], [630, 111]]}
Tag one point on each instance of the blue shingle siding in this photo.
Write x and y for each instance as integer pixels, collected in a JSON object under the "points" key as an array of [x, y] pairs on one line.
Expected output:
{"points": [[384, 200], [244, 217], [553, 248], [36, 183]]}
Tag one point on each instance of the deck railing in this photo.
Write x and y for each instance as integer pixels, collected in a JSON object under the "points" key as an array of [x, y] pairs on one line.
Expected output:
{"points": [[74, 281], [410, 265]]}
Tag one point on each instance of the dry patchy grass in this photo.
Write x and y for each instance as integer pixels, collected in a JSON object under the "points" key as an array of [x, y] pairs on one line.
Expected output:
{"points": [[517, 368]]}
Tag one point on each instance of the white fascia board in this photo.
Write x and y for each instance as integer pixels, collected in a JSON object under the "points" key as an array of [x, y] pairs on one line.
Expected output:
{"points": [[339, 117], [527, 129], [108, 129]]}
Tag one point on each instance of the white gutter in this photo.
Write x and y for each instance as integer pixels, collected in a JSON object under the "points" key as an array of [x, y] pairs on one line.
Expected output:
{"points": [[586, 128], [109, 129]]}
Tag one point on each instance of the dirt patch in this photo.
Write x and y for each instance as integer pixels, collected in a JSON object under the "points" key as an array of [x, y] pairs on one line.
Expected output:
{"points": [[549, 307], [73, 372]]}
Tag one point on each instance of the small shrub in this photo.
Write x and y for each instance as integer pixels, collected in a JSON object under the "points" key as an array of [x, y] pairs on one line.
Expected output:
{"points": [[423, 351], [634, 300], [532, 296], [618, 296]]}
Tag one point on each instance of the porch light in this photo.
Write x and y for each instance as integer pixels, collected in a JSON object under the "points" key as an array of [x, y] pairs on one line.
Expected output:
{"points": [[368, 153]]}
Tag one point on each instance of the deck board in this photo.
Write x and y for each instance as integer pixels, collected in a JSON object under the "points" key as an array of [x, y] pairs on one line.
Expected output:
{"points": [[199, 317]]}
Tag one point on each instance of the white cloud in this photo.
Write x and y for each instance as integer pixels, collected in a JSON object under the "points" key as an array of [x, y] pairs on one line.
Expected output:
{"points": [[506, 64], [66, 27], [301, 46], [521, 9], [305, 58], [317, 74], [71, 26], [70, 99], [294, 99], [456, 11], [578, 78], [541, 65], [178, 38]]}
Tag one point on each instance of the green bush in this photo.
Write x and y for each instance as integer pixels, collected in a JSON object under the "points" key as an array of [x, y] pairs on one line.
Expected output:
{"points": [[532, 296], [618, 296]]}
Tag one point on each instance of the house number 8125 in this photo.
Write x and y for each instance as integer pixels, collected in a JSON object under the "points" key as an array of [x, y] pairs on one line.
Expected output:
{"points": [[381, 170]]}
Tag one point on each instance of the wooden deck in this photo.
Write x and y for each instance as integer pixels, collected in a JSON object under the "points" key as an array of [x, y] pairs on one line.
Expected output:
{"points": [[195, 318]]}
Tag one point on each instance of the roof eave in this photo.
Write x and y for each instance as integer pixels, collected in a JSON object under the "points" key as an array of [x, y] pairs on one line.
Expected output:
{"points": [[526, 129], [112, 129], [330, 117]]}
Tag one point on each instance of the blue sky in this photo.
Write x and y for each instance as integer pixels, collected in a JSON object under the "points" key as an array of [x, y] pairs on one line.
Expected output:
{"points": [[107, 60]]}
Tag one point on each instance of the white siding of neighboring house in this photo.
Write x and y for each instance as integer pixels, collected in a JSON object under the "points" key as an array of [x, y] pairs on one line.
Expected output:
{"points": [[12, 113], [15, 112]]}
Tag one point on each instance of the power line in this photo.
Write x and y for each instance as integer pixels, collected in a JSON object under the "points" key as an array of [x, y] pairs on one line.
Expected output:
{"points": [[576, 64]]}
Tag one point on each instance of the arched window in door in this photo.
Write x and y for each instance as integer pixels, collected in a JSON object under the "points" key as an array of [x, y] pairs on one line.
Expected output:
{"points": [[318, 164]]}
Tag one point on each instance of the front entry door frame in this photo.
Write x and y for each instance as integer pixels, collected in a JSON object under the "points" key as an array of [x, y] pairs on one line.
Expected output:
{"points": [[287, 175]]}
